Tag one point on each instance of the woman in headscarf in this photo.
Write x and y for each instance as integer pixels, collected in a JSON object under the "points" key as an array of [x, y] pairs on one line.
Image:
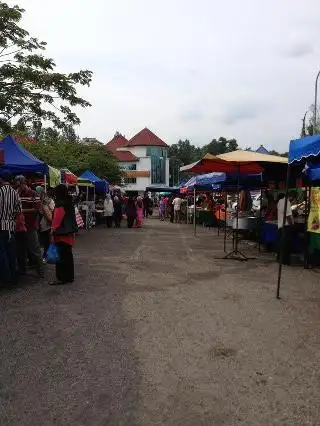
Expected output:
{"points": [[108, 210], [64, 228], [139, 207], [117, 204], [131, 212]]}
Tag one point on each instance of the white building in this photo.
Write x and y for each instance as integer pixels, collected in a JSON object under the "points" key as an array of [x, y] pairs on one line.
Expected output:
{"points": [[143, 158]]}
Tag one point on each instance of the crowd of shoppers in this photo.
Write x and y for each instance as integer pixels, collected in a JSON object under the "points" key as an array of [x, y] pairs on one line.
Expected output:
{"points": [[133, 209], [30, 219]]}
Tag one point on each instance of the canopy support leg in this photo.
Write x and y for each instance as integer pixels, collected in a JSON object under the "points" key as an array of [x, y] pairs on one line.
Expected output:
{"points": [[281, 255]]}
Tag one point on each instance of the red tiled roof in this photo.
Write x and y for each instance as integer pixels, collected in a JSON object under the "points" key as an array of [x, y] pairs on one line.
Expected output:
{"points": [[146, 138], [120, 141], [125, 156]]}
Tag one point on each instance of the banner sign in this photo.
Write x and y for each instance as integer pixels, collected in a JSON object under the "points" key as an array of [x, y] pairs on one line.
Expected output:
{"points": [[314, 215]]}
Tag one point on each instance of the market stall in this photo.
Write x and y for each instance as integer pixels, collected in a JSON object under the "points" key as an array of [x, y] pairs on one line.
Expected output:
{"points": [[211, 163], [101, 185], [304, 161], [18, 161]]}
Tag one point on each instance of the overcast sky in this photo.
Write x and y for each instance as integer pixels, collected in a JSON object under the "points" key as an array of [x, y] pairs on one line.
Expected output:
{"points": [[194, 69]]}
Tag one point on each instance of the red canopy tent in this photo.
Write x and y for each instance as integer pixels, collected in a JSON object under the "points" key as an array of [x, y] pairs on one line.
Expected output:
{"points": [[210, 163], [68, 177]]}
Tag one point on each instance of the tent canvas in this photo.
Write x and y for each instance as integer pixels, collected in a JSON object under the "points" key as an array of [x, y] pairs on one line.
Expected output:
{"points": [[240, 156], [102, 186], [68, 177], [217, 181], [54, 177], [17, 160], [211, 163], [304, 148]]}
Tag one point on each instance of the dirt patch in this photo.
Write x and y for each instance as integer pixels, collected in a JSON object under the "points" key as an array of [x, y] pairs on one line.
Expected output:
{"points": [[221, 351]]}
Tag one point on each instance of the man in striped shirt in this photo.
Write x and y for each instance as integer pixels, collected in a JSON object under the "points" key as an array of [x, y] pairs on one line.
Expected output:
{"points": [[10, 207]]}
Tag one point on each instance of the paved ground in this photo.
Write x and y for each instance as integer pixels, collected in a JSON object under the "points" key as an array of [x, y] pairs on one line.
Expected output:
{"points": [[156, 331]]}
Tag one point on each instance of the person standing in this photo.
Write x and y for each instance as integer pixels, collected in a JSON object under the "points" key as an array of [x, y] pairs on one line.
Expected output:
{"points": [[117, 204], [139, 209], [146, 205], [108, 210], [30, 207], [177, 209], [162, 208], [10, 208], [285, 229], [46, 211], [64, 228], [131, 212]]}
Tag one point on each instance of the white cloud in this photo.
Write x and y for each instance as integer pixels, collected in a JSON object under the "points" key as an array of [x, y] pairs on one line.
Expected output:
{"points": [[187, 69]]}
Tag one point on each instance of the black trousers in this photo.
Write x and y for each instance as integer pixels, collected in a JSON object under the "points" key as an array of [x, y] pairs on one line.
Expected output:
{"points": [[130, 221], [21, 249], [145, 212], [109, 221], [44, 237], [65, 268], [117, 219]]}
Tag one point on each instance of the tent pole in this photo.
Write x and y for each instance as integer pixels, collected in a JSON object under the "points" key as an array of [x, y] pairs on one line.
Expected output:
{"points": [[194, 212], [260, 222], [187, 219], [281, 256], [237, 211], [219, 221], [225, 223], [306, 213], [45, 183]]}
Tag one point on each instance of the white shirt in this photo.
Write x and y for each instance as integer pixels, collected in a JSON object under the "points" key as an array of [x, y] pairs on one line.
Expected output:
{"points": [[280, 207], [177, 204], [108, 208]]}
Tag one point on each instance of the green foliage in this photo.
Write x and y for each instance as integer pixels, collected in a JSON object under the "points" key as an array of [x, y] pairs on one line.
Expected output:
{"points": [[310, 128], [184, 152], [76, 155], [30, 88]]}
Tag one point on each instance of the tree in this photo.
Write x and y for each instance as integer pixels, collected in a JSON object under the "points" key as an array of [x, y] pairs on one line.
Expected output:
{"points": [[77, 157], [30, 88], [184, 152], [220, 146], [310, 128]]}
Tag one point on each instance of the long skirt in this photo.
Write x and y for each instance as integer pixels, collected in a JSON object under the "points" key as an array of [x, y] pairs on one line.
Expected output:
{"points": [[139, 219]]}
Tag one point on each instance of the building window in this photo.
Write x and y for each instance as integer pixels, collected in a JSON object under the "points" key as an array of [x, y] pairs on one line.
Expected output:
{"points": [[158, 163], [128, 167], [130, 180], [158, 170], [156, 151]]}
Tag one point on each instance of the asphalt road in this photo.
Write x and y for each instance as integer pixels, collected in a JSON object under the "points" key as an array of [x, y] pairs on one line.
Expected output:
{"points": [[157, 331]]}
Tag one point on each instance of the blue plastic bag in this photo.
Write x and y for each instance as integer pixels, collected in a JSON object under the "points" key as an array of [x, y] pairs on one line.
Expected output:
{"points": [[52, 256]]}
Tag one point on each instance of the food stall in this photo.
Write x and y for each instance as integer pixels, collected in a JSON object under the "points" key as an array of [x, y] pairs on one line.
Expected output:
{"points": [[304, 162]]}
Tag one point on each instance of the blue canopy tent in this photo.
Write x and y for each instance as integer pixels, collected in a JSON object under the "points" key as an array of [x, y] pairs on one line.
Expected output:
{"points": [[303, 153], [218, 181], [101, 185], [19, 161]]}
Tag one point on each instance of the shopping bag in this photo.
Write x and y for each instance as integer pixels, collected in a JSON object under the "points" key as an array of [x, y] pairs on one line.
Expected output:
{"points": [[52, 256]]}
